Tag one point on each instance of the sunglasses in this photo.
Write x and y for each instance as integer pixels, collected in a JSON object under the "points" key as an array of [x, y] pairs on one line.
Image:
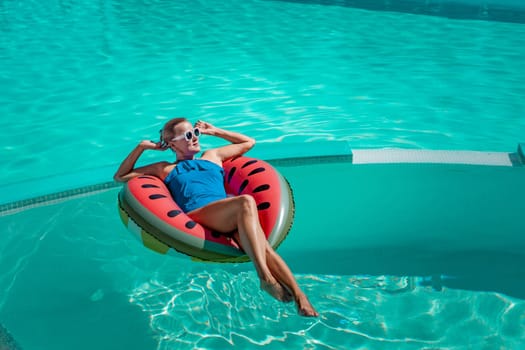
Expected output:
{"points": [[188, 135]]}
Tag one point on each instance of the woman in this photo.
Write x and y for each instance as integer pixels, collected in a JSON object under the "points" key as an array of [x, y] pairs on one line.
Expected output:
{"points": [[197, 186]]}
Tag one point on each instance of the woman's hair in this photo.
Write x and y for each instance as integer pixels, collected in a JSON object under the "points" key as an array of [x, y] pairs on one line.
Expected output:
{"points": [[167, 132]]}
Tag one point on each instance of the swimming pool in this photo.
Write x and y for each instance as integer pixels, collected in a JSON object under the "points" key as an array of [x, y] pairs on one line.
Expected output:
{"points": [[84, 82]]}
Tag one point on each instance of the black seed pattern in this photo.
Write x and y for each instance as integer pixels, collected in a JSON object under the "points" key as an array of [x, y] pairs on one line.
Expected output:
{"points": [[243, 186], [248, 163], [230, 175], [173, 213], [263, 206], [157, 196], [149, 186], [190, 224], [261, 188], [256, 171], [215, 234]]}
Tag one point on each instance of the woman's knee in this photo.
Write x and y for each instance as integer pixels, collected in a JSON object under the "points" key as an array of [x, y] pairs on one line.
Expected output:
{"points": [[247, 203]]}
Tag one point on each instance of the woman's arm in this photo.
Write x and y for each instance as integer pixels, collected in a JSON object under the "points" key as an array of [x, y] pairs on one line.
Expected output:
{"points": [[240, 143], [127, 170]]}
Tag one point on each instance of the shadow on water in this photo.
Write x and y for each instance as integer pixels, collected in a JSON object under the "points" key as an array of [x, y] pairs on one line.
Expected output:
{"points": [[448, 9], [6, 340], [467, 270]]}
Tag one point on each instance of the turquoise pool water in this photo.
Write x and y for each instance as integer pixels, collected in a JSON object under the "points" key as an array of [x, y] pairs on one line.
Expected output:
{"points": [[82, 82], [78, 279]]}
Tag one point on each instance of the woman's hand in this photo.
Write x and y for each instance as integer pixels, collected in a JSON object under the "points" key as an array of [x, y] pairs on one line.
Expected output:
{"points": [[158, 146], [240, 143], [205, 128]]}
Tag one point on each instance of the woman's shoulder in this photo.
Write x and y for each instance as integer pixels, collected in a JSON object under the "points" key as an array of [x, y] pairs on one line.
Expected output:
{"points": [[211, 156], [163, 168]]}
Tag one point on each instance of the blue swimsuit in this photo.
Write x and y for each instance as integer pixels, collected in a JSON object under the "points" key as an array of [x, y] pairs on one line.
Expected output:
{"points": [[196, 182]]}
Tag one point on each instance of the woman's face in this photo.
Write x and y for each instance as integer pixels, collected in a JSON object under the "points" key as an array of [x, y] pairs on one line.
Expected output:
{"points": [[184, 141]]}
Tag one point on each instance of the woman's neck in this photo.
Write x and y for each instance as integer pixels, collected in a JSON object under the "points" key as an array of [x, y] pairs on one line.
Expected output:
{"points": [[188, 157]]}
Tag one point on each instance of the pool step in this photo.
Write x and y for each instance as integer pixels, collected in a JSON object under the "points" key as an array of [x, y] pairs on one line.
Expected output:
{"points": [[53, 189]]}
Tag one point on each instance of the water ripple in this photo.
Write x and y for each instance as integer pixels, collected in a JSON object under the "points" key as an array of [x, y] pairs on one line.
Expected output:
{"points": [[228, 310]]}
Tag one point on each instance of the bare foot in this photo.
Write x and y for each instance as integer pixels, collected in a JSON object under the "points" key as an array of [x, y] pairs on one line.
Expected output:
{"points": [[304, 307], [276, 290]]}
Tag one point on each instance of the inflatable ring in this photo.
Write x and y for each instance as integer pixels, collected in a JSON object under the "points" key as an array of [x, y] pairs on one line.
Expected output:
{"points": [[148, 210]]}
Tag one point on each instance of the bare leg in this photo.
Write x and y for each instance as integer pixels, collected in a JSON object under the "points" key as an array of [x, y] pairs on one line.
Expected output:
{"points": [[241, 213], [282, 273]]}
